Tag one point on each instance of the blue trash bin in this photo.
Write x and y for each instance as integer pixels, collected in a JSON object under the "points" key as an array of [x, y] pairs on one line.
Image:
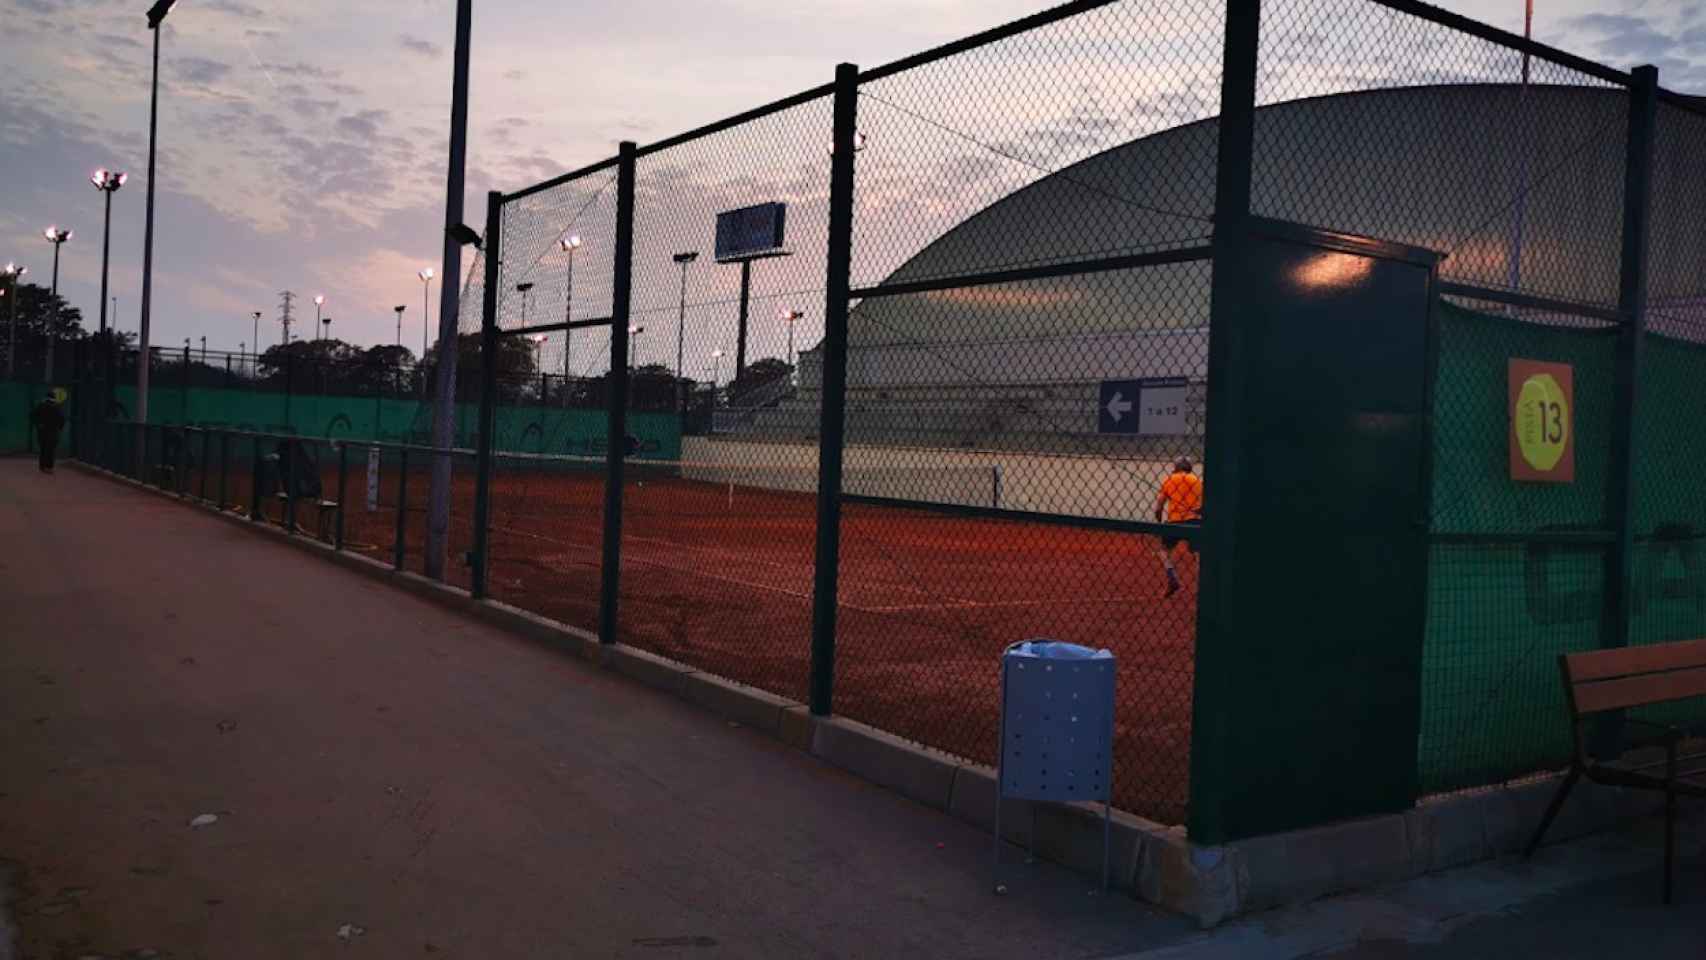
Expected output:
{"points": [[1057, 730]]}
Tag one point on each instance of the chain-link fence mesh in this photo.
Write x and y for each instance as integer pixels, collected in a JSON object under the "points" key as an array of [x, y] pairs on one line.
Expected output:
{"points": [[1028, 371], [1380, 123]]}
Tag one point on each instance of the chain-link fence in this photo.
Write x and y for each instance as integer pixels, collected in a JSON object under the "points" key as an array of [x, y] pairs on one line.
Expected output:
{"points": [[840, 396]]}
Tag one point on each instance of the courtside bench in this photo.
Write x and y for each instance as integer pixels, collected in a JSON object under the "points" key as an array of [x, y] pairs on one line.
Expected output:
{"points": [[1604, 682]]}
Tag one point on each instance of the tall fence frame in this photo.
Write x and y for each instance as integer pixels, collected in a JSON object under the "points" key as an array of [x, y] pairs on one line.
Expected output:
{"points": [[1612, 547]]}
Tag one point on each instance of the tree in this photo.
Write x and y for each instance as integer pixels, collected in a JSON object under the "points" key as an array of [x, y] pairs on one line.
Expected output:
{"points": [[38, 311], [385, 369], [758, 374], [515, 366]]}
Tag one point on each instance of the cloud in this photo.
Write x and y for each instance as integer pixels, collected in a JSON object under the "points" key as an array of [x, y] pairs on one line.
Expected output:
{"points": [[365, 125], [416, 45], [200, 70], [232, 7]]}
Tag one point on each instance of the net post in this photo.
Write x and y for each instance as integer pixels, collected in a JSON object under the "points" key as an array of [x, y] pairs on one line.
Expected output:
{"points": [[1217, 662], [398, 544], [831, 432], [617, 396], [488, 391], [1626, 378]]}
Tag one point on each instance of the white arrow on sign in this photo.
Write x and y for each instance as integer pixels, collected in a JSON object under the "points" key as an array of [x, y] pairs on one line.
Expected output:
{"points": [[1119, 406]]}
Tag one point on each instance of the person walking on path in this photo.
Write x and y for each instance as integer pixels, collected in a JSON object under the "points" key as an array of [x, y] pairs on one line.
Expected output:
{"points": [[1180, 503], [48, 419]]}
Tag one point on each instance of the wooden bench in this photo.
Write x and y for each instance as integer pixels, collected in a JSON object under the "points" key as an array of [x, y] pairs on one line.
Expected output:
{"points": [[1607, 681]]}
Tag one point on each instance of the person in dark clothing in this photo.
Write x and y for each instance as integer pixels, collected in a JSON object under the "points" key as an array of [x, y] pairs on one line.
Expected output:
{"points": [[48, 419]]}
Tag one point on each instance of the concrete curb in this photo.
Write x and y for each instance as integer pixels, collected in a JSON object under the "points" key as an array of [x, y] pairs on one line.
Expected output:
{"points": [[1154, 863]]}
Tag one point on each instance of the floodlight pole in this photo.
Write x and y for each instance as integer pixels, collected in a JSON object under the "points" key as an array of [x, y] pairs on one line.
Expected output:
{"points": [[444, 412], [56, 237], [156, 17]]}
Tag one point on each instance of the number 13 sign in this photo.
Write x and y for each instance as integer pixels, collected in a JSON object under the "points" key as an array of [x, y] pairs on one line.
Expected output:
{"points": [[1543, 421]]}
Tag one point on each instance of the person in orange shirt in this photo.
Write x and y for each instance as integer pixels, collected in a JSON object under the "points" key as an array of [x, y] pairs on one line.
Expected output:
{"points": [[1180, 503]]}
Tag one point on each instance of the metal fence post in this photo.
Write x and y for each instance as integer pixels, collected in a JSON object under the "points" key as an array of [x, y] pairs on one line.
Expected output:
{"points": [[182, 467], [224, 469], [488, 391], [397, 549], [1216, 667], [832, 432], [1626, 377], [343, 490], [206, 443], [255, 484], [617, 396], [287, 477]]}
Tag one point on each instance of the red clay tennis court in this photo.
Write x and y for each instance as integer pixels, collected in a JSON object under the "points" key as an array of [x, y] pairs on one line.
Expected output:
{"points": [[720, 576]]}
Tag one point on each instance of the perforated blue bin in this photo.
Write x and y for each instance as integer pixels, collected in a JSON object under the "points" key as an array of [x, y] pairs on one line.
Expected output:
{"points": [[1057, 729]]}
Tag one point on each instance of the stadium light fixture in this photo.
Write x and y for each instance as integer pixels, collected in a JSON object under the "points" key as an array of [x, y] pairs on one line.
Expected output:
{"points": [[426, 311], [789, 317], [58, 238], [524, 289], [156, 16], [157, 13], [568, 243], [465, 235], [108, 182], [683, 259]]}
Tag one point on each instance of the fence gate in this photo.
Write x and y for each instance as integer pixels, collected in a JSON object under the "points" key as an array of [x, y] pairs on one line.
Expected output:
{"points": [[1317, 562]]}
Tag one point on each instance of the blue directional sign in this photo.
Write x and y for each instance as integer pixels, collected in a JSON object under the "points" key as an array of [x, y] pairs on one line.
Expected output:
{"points": [[1153, 407], [1116, 409]]}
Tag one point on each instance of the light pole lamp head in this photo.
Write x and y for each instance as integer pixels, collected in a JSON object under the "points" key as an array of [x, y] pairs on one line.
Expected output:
{"points": [[108, 181], [157, 13], [14, 271], [636, 330], [717, 354], [426, 275], [56, 236], [523, 287], [400, 308], [320, 301], [789, 316], [257, 314], [687, 257], [570, 242], [465, 235]]}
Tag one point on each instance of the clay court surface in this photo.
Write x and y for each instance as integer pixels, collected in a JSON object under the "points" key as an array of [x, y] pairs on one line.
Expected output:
{"points": [[722, 579]]}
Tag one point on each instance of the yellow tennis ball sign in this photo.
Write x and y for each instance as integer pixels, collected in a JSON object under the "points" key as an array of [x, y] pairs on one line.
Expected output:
{"points": [[1542, 418]]}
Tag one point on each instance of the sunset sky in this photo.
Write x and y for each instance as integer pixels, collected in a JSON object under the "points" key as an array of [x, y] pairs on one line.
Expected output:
{"points": [[303, 143]]}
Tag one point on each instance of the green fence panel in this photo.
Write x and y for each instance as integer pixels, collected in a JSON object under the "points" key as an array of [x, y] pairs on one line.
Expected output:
{"points": [[1499, 613]]}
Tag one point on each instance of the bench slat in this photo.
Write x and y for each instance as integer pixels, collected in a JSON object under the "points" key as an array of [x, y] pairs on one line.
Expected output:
{"points": [[1598, 696], [1629, 661]]}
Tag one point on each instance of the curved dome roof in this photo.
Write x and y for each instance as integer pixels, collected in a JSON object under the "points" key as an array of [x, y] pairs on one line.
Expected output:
{"points": [[1436, 166]]}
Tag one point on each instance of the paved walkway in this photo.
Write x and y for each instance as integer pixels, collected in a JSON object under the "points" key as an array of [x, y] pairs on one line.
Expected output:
{"points": [[392, 780]]}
